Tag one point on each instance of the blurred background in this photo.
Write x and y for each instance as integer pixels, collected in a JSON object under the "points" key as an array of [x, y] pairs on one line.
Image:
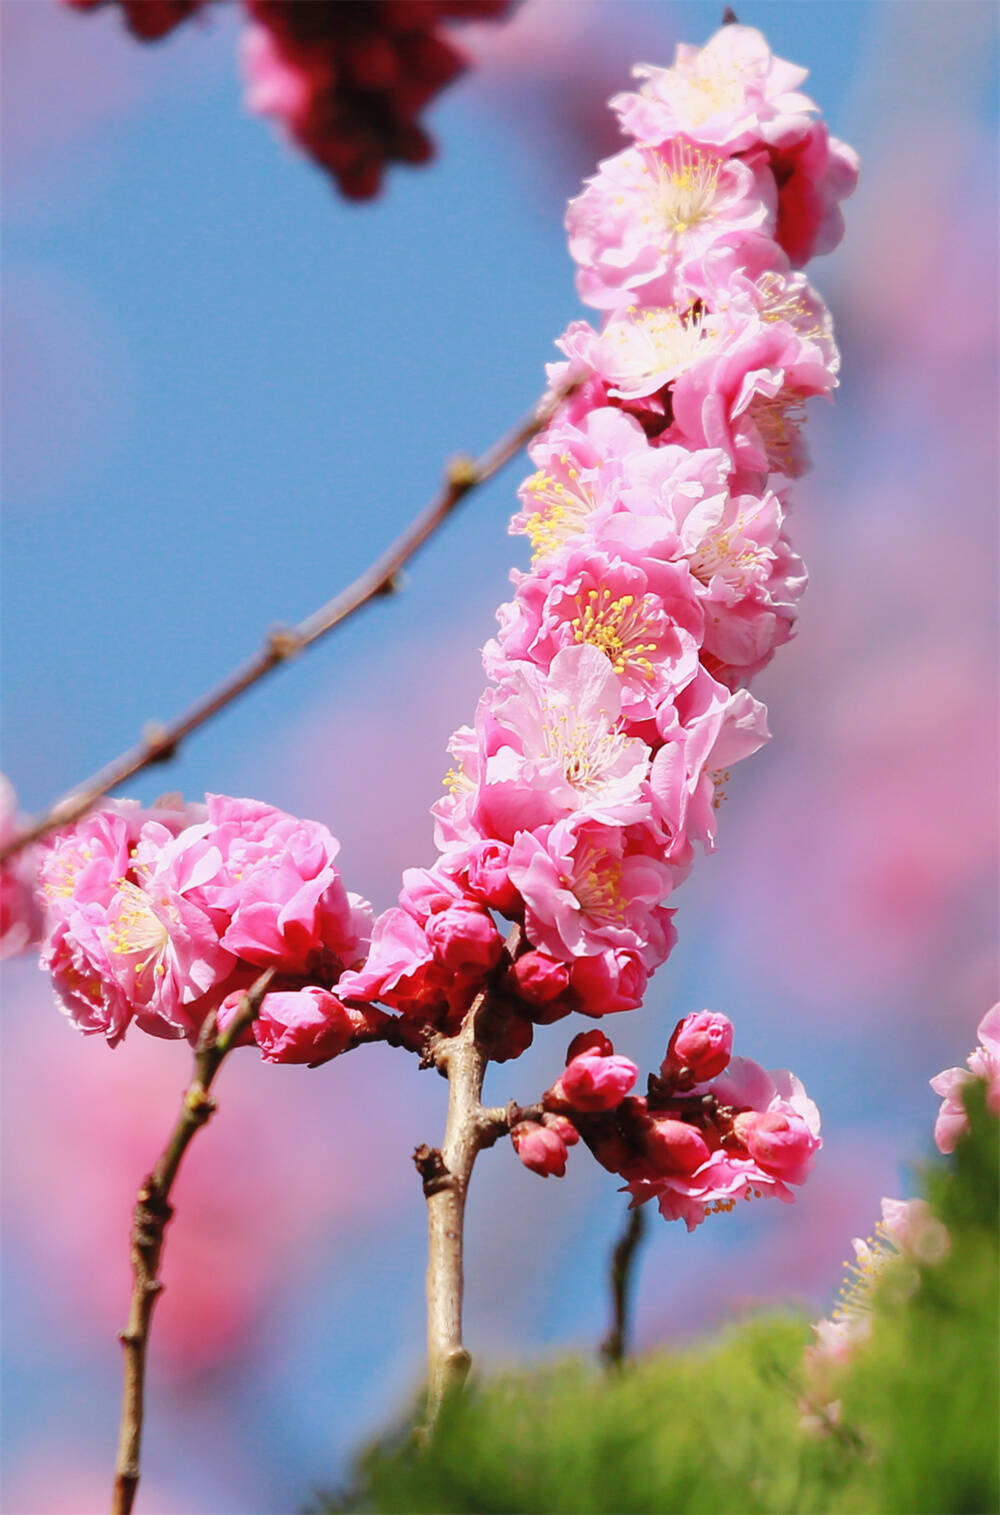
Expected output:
{"points": [[224, 390]]}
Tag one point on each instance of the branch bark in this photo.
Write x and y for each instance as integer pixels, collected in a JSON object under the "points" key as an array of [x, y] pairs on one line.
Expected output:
{"points": [[446, 1175], [152, 1211], [615, 1344], [160, 742]]}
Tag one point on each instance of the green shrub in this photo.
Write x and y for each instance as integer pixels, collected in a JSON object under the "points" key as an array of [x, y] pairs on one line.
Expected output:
{"points": [[715, 1430]]}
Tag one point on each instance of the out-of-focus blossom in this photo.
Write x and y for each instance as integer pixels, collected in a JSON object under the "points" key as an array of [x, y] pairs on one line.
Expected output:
{"points": [[907, 1237], [20, 914], [348, 82], [149, 20], [983, 1062]]}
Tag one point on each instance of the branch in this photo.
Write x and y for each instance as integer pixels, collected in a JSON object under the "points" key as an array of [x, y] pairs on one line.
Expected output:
{"points": [[152, 1211], [446, 1175], [160, 743], [615, 1344]]}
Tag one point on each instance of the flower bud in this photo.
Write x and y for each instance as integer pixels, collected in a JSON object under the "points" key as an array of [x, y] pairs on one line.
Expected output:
{"points": [[592, 1082], [513, 1039], [486, 870], [307, 1025], [610, 981], [781, 1144], [589, 1041], [673, 1146], [540, 1148], [539, 979], [464, 938], [562, 1126], [702, 1044]]}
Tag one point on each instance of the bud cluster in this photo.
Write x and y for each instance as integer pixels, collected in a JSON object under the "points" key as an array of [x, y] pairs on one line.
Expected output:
{"points": [[346, 79], [710, 1129]]}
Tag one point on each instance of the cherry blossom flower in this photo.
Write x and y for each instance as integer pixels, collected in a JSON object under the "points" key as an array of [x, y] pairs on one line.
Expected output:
{"points": [[984, 1063]]}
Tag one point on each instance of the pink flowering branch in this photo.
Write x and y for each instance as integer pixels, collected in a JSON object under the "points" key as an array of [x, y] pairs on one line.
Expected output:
{"points": [[663, 579], [160, 743], [152, 1211]]}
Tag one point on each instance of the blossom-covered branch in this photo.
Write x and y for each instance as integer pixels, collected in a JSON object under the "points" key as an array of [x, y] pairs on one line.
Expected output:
{"points": [[162, 742], [663, 579], [152, 1211]]}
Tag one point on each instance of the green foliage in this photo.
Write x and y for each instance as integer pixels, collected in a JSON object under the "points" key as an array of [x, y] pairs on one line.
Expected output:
{"points": [[714, 1430]]}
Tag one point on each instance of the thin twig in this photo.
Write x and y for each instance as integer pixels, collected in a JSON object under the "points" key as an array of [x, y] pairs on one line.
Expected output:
{"points": [[615, 1344], [152, 1211], [160, 743]]}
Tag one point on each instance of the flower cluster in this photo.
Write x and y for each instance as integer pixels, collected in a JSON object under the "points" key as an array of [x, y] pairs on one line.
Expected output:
{"points": [[161, 915], [662, 580], [346, 80], [710, 1129], [983, 1062]]}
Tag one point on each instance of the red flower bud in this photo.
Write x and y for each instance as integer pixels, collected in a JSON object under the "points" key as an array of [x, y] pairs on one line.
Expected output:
{"points": [[702, 1044]]}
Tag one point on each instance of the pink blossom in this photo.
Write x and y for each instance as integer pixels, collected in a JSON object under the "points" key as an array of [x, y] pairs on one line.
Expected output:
{"points": [[700, 1047], [481, 871], [984, 1063], [742, 571], [614, 979], [705, 731], [551, 746], [653, 211], [711, 1189], [687, 1183], [782, 1144], [579, 464], [281, 890], [645, 619], [429, 954], [746, 1086], [161, 939], [539, 979], [597, 1080], [79, 870], [583, 892], [911, 1226], [401, 971], [731, 93], [673, 1146], [540, 1148], [20, 911], [908, 1234], [308, 1025], [464, 938], [747, 395], [640, 353]]}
